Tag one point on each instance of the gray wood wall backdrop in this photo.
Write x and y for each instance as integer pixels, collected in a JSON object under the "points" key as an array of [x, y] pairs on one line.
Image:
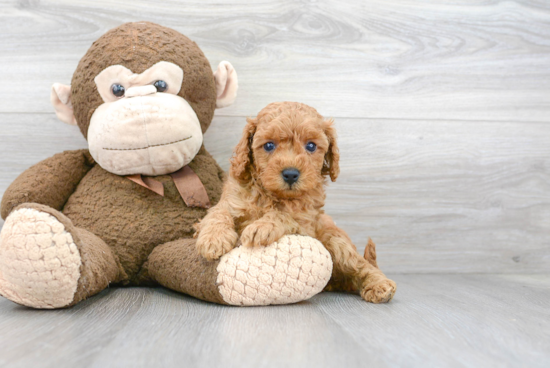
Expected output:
{"points": [[442, 109]]}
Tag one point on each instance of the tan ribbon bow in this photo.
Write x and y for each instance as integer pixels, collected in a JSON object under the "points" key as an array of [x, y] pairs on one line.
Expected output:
{"points": [[189, 186]]}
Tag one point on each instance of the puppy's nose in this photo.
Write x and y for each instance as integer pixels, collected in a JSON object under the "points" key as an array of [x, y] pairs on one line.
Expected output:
{"points": [[291, 175]]}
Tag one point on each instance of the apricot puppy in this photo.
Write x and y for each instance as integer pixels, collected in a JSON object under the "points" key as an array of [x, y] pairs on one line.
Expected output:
{"points": [[276, 187]]}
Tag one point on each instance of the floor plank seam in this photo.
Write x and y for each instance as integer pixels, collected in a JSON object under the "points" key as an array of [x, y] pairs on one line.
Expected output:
{"points": [[444, 120]]}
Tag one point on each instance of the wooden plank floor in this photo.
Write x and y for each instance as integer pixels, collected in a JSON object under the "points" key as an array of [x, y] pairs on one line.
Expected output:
{"points": [[443, 115], [434, 321]]}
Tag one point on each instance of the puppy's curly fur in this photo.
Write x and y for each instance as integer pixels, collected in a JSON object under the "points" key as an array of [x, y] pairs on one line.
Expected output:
{"points": [[258, 206]]}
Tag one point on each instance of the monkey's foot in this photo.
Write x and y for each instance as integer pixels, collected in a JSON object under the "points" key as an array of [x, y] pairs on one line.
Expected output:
{"points": [[39, 260], [288, 271]]}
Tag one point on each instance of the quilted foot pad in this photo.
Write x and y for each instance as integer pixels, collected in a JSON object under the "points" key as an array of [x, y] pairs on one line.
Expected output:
{"points": [[291, 270], [39, 261]]}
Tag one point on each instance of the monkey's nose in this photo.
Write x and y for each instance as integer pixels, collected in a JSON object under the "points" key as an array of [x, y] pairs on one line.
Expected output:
{"points": [[140, 91], [291, 175]]}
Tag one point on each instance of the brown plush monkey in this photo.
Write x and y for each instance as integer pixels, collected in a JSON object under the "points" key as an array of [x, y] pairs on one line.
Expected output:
{"points": [[122, 212]]}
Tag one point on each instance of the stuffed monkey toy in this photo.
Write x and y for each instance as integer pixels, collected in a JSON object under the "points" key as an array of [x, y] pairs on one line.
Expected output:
{"points": [[122, 211]]}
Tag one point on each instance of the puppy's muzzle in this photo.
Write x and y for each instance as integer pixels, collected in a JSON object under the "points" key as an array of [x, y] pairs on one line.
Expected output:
{"points": [[290, 175]]}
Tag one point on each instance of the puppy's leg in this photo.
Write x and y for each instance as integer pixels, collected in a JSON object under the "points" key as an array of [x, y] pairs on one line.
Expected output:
{"points": [[268, 229], [216, 233], [372, 284]]}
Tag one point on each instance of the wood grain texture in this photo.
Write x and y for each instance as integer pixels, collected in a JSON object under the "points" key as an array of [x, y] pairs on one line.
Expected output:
{"points": [[442, 111], [453, 197], [406, 59], [435, 320]]}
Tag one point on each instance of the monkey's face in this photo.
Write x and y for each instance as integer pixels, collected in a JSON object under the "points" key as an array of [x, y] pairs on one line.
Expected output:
{"points": [[143, 126], [143, 95]]}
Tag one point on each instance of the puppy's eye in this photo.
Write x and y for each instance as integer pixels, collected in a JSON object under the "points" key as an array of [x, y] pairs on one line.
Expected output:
{"points": [[311, 147], [269, 146], [160, 85], [117, 90]]}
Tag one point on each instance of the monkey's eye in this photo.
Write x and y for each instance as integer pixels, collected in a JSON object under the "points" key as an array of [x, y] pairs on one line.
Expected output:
{"points": [[269, 146], [311, 147], [160, 85], [117, 90]]}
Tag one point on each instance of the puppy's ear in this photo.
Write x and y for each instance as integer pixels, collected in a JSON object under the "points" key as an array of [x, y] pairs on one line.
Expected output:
{"points": [[332, 157], [242, 155]]}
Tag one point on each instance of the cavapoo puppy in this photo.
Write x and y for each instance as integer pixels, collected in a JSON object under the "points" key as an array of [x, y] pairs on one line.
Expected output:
{"points": [[276, 187]]}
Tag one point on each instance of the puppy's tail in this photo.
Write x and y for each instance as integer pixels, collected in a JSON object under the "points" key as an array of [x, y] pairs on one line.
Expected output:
{"points": [[370, 253]]}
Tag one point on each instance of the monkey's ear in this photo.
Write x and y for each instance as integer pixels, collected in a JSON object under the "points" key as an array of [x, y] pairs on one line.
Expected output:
{"points": [[61, 101], [226, 84]]}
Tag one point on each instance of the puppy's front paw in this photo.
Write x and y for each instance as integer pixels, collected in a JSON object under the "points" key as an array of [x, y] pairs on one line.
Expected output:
{"points": [[261, 233], [379, 292], [216, 242]]}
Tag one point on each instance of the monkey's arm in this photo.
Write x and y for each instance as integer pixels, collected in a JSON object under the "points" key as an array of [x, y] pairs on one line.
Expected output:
{"points": [[50, 182]]}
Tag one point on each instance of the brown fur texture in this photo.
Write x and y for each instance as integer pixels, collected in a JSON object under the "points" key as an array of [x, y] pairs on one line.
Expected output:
{"points": [[117, 223], [133, 220], [178, 266], [49, 182], [258, 207]]}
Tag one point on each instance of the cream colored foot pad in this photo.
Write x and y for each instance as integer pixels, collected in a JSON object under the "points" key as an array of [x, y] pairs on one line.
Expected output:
{"points": [[39, 262], [291, 270]]}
